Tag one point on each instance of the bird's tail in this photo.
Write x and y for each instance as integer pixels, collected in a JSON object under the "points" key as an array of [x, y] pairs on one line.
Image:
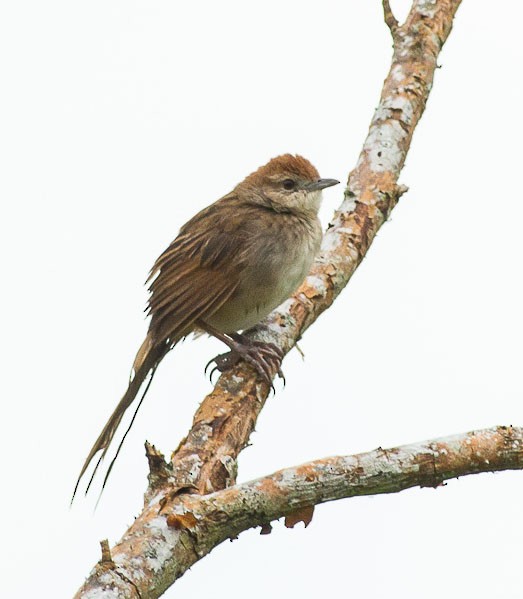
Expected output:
{"points": [[147, 360]]}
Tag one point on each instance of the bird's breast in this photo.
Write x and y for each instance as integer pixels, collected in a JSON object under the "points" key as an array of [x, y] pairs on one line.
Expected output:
{"points": [[274, 268]]}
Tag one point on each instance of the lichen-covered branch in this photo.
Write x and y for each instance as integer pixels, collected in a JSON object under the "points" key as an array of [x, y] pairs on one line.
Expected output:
{"points": [[293, 492], [205, 460], [389, 17], [197, 523]]}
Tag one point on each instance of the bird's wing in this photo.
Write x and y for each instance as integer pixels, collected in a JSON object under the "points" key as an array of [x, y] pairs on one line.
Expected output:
{"points": [[198, 272]]}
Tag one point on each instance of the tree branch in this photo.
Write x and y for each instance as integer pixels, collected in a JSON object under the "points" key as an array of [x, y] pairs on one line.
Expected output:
{"points": [[390, 19], [214, 518], [205, 460], [197, 524]]}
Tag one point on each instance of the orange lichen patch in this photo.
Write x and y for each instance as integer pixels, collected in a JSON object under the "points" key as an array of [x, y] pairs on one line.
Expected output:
{"points": [[307, 471], [299, 313], [310, 291], [367, 195], [386, 182], [476, 445], [269, 486], [363, 227], [181, 521]]}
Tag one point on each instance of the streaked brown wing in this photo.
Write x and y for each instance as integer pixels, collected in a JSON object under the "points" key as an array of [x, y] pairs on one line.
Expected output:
{"points": [[199, 271]]}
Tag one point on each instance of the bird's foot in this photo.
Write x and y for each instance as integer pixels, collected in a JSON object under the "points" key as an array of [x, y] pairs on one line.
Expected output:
{"points": [[266, 358]]}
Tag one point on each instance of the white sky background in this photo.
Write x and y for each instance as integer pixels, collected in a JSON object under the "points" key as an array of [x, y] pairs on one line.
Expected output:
{"points": [[119, 121]]}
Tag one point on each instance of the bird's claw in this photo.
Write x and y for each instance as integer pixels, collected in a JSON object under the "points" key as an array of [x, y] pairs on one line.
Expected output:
{"points": [[266, 359]]}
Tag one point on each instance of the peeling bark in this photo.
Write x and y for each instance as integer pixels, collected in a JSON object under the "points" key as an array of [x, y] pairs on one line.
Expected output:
{"points": [[153, 554]]}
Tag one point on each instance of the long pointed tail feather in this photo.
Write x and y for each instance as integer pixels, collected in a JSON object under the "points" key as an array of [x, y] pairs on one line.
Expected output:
{"points": [[147, 360]]}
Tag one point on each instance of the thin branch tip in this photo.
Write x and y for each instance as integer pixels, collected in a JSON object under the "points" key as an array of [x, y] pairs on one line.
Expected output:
{"points": [[390, 19]]}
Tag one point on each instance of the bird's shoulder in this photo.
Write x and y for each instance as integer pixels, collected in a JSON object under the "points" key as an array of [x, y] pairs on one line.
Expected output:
{"points": [[214, 236]]}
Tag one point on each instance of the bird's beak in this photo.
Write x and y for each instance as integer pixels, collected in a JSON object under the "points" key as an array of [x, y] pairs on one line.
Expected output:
{"points": [[321, 184]]}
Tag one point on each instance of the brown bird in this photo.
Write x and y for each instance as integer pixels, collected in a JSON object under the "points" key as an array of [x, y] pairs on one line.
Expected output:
{"points": [[229, 266]]}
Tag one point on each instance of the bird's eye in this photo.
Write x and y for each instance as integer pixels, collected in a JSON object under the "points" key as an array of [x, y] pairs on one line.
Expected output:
{"points": [[289, 184]]}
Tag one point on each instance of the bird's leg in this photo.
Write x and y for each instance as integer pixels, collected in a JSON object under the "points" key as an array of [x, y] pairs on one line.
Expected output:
{"points": [[264, 357]]}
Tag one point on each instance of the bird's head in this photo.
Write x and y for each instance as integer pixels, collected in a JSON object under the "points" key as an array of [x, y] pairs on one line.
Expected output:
{"points": [[286, 183]]}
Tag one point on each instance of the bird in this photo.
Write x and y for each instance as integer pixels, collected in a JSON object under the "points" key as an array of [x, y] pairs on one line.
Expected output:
{"points": [[229, 266]]}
